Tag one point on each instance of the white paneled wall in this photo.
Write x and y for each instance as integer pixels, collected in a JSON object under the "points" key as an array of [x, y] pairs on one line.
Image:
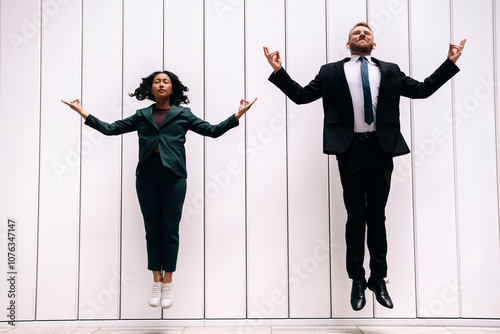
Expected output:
{"points": [[100, 227], [262, 235], [475, 146], [58, 252], [433, 174], [266, 177], [19, 170], [309, 276], [225, 209]]}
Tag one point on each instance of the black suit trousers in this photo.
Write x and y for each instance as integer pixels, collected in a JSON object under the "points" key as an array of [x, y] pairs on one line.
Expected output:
{"points": [[365, 172], [161, 196]]}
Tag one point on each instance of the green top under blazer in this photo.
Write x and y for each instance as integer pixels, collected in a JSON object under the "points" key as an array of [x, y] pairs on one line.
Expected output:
{"points": [[170, 136]]}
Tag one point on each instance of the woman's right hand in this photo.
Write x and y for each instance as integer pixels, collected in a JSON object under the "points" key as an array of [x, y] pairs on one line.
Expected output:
{"points": [[76, 106]]}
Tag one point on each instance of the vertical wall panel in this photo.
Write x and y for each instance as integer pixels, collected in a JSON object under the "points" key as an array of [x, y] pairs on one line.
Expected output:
{"points": [[58, 250], [389, 21], [496, 57], [19, 114], [101, 162], [266, 162], [435, 232], [309, 274], [479, 249], [225, 258], [187, 63], [342, 16], [142, 55]]}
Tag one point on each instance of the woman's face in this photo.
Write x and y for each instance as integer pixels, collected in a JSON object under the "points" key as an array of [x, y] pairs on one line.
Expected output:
{"points": [[162, 87]]}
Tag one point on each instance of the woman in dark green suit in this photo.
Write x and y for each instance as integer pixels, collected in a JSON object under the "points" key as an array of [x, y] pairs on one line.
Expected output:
{"points": [[161, 171]]}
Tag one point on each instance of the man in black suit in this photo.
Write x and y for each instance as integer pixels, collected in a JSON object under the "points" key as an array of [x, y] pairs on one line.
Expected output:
{"points": [[362, 128]]}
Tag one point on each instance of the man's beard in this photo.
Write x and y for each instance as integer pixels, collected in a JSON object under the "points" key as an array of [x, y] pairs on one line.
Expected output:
{"points": [[365, 48]]}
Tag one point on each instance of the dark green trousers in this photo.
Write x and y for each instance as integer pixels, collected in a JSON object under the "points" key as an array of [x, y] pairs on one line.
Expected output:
{"points": [[161, 197]]}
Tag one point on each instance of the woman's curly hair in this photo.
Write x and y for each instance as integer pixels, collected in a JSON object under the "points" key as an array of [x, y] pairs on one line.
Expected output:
{"points": [[144, 90]]}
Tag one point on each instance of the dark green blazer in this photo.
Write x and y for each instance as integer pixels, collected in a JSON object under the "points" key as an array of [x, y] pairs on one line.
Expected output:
{"points": [[169, 137]]}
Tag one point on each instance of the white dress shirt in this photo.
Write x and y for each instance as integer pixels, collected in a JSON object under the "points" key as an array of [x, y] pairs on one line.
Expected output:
{"points": [[352, 70]]}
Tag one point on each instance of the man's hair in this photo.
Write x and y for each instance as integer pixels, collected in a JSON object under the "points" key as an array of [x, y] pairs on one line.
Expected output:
{"points": [[359, 24]]}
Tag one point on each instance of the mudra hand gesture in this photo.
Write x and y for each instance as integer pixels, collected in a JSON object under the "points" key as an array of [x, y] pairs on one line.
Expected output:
{"points": [[76, 106], [273, 58], [455, 51], [244, 106]]}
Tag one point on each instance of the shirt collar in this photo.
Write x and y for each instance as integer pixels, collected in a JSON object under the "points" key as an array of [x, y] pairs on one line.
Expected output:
{"points": [[356, 57]]}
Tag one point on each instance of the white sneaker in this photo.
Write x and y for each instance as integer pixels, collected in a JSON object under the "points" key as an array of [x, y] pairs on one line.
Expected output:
{"points": [[155, 296], [167, 295]]}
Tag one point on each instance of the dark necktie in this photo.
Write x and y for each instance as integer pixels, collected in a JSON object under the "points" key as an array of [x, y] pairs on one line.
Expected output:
{"points": [[366, 91]]}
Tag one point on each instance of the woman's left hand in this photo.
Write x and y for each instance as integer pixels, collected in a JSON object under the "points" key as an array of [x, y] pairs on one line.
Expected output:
{"points": [[244, 106]]}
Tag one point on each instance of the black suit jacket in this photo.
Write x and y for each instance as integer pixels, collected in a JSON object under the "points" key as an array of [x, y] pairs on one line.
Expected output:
{"points": [[169, 137], [331, 85]]}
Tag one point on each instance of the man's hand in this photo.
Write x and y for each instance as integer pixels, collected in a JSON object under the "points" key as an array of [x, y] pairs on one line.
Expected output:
{"points": [[455, 51], [273, 59]]}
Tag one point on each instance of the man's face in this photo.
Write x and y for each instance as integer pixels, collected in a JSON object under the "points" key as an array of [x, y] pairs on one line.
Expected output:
{"points": [[361, 41]]}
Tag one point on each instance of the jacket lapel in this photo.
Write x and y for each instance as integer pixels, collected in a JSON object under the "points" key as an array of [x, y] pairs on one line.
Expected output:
{"points": [[174, 111], [383, 72], [340, 68], [148, 114]]}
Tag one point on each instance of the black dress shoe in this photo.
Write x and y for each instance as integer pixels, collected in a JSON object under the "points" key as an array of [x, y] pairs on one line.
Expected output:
{"points": [[358, 300], [378, 286]]}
